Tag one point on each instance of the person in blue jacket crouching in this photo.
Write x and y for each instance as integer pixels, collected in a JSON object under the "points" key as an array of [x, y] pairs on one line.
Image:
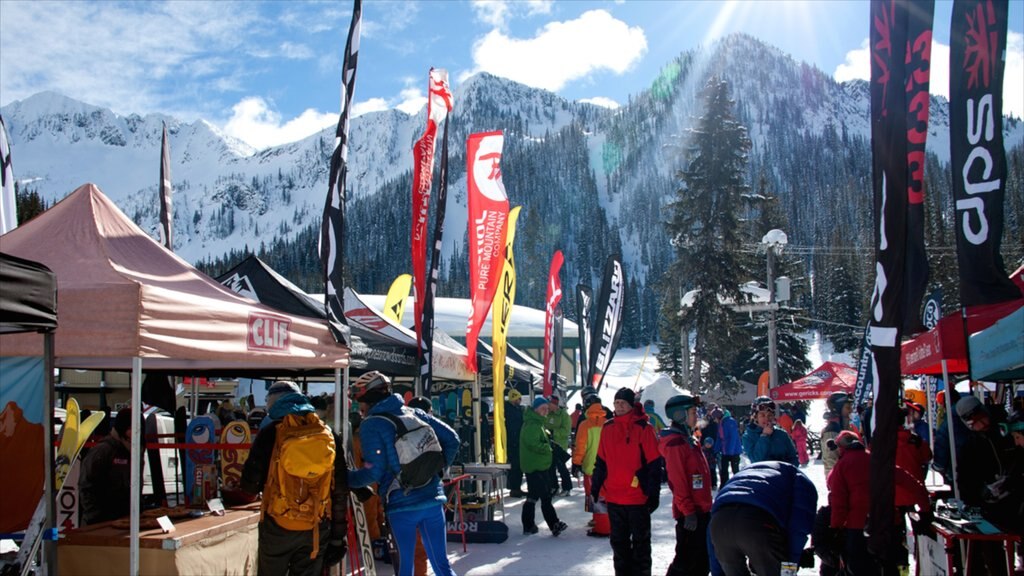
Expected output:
{"points": [[408, 510], [763, 514]]}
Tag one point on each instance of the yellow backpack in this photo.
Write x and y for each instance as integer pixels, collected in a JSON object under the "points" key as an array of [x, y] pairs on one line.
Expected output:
{"points": [[297, 494]]}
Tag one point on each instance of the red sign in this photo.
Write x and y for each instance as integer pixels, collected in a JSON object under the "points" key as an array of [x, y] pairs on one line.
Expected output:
{"points": [[269, 333]]}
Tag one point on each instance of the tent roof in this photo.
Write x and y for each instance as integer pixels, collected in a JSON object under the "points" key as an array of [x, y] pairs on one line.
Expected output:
{"points": [[997, 352], [826, 379], [123, 296], [28, 301], [946, 341]]}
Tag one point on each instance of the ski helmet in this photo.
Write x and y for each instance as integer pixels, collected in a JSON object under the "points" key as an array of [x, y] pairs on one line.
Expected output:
{"points": [[762, 403], [680, 402], [371, 387]]}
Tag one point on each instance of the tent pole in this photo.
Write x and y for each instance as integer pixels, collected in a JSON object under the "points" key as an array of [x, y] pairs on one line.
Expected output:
{"points": [[476, 418], [49, 546], [341, 405], [136, 480], [950, 414], [338, 395], [929, 394]]}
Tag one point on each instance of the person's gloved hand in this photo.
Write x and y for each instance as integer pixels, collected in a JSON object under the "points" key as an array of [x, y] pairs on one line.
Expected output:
{"points": [[807, 558], [690, 522], [915, 439], [923, 525], [336, 550], [653, 502], [576, 471], [363, 494]]}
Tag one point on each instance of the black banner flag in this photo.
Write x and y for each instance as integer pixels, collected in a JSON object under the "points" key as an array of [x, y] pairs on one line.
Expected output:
{"points": [[332, 227], [584, 296], [888, 44], [976, 57], [610, 306], [427, 338]]}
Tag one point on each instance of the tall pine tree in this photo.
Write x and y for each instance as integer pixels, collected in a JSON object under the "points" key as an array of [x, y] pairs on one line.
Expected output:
{"points": [[705, 232]]}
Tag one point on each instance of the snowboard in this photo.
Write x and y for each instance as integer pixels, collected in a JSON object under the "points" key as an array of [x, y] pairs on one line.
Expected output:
{"points": [[72, 438], [200, 470], [232, 460], [361, 558]]}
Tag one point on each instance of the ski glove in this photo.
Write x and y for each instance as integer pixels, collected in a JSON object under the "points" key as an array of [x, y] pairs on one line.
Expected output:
{"points": [[335, 552], [576, 470], [653, 502], [690, 522]]}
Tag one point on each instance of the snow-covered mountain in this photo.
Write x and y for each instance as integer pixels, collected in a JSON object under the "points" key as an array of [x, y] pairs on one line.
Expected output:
{"points": [[592, 181]]}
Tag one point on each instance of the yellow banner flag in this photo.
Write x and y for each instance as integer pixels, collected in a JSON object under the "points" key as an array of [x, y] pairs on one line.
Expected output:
{"points": [[504, 298], [394, 304]]}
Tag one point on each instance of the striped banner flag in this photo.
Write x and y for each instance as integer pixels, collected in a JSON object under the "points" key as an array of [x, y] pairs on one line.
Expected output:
{"points": [[166, 216], [332, 226], [427, 338], [584, 297], [8, 205]]}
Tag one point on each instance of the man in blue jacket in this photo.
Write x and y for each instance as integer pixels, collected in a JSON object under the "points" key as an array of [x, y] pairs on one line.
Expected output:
{"points": [[408, 510], [765, 514], [729, 440], [763, 440]]}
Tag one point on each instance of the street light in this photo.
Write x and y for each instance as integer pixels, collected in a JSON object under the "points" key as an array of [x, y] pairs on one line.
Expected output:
{"points": [[774, 241]]}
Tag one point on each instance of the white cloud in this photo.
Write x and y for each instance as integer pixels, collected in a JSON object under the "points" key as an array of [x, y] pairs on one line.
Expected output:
{"points": [[293, 51], [367, 106], [858, 66], [497, 13], [412, 101], [562, 51], [602, 102], [255, 123]]}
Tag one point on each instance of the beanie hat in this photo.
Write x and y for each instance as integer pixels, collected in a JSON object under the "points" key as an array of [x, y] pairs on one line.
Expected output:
{"points": [[845, 439], [539, 401], [421, 402], [626, 394], [283, 387], [967, 406], [514, 395]]}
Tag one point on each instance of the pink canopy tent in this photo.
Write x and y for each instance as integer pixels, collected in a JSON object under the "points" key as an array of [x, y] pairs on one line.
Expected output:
{"points": [[126, 303], [825, 380]]}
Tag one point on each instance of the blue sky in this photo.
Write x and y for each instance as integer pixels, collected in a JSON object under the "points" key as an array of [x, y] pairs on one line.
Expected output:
{"points": [[269, 72]]}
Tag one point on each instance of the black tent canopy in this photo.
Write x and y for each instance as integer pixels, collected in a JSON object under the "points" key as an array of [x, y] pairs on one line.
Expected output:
{"points": [[28, 300]]}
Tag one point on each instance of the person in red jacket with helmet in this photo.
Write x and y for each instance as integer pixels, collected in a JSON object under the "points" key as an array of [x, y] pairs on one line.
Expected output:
{"points": [[689, 477], [628, 468]]}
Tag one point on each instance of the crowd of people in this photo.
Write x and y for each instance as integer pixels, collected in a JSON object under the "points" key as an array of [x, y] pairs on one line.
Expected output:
{"points": [[728, 520]]}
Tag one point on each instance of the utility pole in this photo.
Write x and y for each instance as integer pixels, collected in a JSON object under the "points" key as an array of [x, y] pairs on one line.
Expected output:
{"points": [[773, 354]]}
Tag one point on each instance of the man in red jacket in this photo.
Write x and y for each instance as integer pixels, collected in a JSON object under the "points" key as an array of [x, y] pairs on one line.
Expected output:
{"points": [[689, 477], [849, 495], [628, 467]]}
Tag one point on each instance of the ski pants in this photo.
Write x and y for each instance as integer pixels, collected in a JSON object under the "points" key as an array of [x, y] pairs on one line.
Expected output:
{"points": [[430, 524], [287, 551], [538, 488], [691, 549], [515, 471], [724, 462], [740, 532], [630, 539], [559, 470]]}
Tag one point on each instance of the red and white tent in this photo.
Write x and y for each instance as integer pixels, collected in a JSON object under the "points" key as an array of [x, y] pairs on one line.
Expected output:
{"points": [[827, 379]]}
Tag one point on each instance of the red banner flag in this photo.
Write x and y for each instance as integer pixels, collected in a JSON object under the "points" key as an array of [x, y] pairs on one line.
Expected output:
{"points": [[554, 296], [488, 222], [439, 104]]}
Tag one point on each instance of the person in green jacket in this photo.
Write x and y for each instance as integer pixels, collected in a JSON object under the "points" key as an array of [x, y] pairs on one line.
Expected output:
{"points": [[535, 458], [557, 422]]}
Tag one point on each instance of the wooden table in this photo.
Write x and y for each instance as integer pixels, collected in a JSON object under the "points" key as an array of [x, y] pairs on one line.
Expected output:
{"points": [[208, 545]]}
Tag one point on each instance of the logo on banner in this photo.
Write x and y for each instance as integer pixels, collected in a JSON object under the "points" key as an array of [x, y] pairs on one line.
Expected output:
{"points": [[241, 285], [268, 333], [932, 313]]}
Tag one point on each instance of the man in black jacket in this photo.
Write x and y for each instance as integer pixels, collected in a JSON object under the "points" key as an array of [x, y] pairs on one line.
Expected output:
{"points": [[105, 484], [283, 551], [513, 426]]}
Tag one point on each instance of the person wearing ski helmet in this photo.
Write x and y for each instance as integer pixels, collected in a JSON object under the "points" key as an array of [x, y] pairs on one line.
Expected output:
{"points": [[689, 478], [408, 510], [840, 406], [763, 440], [584, 456]]}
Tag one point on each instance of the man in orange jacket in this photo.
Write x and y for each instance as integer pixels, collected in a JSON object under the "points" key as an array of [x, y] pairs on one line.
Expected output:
{"points": [[628, 468], [584, 456]]}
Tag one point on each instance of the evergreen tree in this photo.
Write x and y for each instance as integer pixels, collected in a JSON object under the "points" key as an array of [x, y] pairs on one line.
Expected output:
{"points": [[706, 235]]}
